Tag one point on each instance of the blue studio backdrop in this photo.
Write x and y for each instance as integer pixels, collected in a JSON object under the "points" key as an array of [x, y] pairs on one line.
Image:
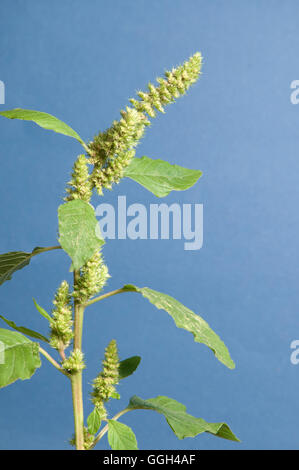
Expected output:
{"points": [[239, 124]]}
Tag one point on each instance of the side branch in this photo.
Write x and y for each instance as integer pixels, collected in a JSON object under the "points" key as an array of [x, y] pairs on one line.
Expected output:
{"points": [[109, 294], [53, 362], [105, 428]]}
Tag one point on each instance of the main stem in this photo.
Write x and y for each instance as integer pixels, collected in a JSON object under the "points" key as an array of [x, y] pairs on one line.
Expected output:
{"points": [[76, 378]]}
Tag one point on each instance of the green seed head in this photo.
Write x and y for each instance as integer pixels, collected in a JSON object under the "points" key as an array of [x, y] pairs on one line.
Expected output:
{"points": [[94, 275], [112, 151], [61, 324], [79, 187], [75, 362], [104, 383]]}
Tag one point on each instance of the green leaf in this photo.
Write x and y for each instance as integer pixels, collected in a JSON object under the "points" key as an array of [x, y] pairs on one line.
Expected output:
{"points": [[186, 319], [182, 424], [121, 436], [11, 262], [77, 229], [26, 331], [42, 311], [45, 120], [94, 421], [161, 177], [19, 359], [128, 366], [15, 260]]}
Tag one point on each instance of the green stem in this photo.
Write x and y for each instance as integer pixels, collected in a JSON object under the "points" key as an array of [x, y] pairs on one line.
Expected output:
{"points": [[105, 428], [86, 147], [49, 248], [76, 378], [105, 296], [78, 326], [52, 360]]}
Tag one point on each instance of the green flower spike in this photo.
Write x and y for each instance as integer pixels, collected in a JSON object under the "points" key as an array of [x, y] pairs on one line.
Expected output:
{"points": [[94, 275], [79, 187], [75, 362], [61, 324], [104, 384], [174, 85], [112, 151]]}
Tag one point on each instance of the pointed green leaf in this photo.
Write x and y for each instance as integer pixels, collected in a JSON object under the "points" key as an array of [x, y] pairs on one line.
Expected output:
{"points": [[11, 262], [23, 329], [160, 177], [15, 260], [128, 366], [186, 319], [45, 120], [182, 424], [121, 436], [42, 311], [19, 357], [94, 421], [78, 228]]}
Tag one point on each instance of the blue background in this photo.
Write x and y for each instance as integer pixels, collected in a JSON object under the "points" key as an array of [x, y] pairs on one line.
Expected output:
{"points": [[81, 61]]}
